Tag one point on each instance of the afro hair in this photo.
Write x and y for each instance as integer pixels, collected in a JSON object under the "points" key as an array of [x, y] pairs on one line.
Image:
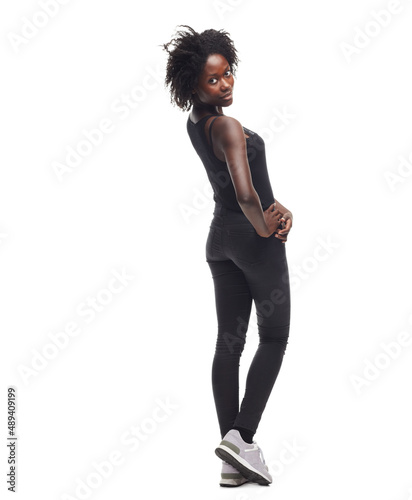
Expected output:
{"points": [[187, 56]]}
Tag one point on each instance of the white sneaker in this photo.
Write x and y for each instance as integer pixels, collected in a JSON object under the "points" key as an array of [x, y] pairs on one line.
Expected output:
{"points": [[231, 476], [246, 458]]}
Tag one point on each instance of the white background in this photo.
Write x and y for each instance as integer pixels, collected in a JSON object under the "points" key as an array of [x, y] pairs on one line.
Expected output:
{"points": [[123, 208]]}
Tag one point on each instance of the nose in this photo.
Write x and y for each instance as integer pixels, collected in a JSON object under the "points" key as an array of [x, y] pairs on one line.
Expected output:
{"points": [[225, 86]]}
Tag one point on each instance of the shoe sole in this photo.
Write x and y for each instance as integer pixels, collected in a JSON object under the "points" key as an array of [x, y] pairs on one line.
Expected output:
{"points": [[232, 483], [241, 465]]}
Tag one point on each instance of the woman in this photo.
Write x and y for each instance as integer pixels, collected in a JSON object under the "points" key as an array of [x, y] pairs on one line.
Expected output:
{"points": [[245, 247]]}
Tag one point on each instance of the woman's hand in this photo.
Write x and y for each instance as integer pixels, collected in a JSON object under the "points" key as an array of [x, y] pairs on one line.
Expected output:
{"points": [[287, 221], [272, 219]]}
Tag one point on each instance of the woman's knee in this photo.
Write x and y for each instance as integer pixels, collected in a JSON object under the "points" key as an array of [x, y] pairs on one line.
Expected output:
{"points": [[274, 334], [229, 343]]}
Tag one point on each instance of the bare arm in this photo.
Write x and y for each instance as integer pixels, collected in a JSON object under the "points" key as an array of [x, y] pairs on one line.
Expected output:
{"points": [[229, 137]]}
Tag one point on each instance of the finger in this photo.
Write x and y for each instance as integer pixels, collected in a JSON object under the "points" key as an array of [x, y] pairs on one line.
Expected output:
{"points": [[288, 224]]}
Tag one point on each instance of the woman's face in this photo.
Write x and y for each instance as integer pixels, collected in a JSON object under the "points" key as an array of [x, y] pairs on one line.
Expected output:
{"points": [[215, 83]]}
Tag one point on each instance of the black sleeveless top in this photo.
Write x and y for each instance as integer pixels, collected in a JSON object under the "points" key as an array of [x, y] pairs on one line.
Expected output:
{"points": [[218, 172]]}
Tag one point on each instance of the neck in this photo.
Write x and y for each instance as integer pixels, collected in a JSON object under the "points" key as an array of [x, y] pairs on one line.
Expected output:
{"points": [[207, 109]]}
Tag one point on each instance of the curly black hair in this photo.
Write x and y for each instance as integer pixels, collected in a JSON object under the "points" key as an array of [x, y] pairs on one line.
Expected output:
{"points": [[187, 58]]}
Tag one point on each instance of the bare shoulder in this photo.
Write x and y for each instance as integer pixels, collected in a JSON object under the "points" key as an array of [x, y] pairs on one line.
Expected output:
{"points": [[228, 130]]}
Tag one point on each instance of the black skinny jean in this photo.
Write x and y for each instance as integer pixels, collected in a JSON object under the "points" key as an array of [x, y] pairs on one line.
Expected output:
{"points": [[246, 267]]}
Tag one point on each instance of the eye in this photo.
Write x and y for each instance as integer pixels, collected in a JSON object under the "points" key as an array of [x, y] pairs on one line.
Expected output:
{"points": [[228, 72]]}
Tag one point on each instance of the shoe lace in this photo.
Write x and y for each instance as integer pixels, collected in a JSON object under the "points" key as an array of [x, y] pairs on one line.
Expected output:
{"points": [[262, 457]]}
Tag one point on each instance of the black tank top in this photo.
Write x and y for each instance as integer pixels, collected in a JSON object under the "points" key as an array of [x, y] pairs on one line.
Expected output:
{"points": [[218, 173]]}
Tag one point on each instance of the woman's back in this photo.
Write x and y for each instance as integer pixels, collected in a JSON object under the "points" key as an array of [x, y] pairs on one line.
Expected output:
{"points": [[200, 134]]}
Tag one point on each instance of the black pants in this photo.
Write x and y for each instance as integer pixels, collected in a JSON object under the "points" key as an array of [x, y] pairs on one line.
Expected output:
{"points": [[246, 267]]}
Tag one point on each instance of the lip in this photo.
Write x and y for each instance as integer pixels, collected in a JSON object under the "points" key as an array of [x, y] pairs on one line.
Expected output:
{"points": [[227, 96]]}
